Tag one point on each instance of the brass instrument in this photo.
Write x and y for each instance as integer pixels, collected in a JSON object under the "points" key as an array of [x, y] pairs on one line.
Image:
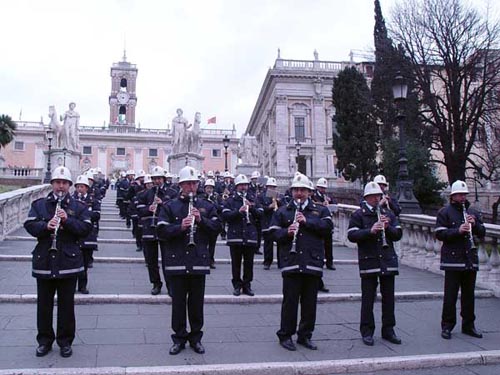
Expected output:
{"points": [[471, 238], [53, 247], [273, 195], [155, 204], [385, 245], [192, 230], [225, 194], [293, 249]]}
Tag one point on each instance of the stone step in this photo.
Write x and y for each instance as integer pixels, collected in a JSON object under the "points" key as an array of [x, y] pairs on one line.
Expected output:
{"points": [[485, 360], [81, 299]]}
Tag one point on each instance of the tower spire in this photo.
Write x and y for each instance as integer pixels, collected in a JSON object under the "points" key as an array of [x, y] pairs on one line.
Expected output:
{"points": [[124, 49]]}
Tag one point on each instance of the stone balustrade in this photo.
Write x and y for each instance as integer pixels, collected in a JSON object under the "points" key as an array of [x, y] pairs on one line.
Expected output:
{"points": [[420, 249], [20, 172], [15, 206]]}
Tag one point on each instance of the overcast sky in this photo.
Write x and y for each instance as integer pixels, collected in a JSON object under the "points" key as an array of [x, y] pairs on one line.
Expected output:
{"points": [[209, 56]]}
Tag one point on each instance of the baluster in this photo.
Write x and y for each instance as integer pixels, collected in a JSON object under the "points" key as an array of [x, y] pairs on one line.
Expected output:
{"points": [[403, 243], [411, 246], [420, 246], [429, 249], [484, 266], [494, 276]]}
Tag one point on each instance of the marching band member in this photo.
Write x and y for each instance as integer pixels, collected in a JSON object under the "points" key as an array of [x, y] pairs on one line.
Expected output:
{"points": [[269, 200], [299, 228], [387, 200], [211, 196], [320, 197], [456, 224], [89, 243], [59, 222], [187, 224], [241, 215], [375, 229]]}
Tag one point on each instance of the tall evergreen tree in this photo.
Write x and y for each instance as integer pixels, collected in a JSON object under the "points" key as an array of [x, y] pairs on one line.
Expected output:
{"points": [[389, 61], [7, 128], [356, 130]]}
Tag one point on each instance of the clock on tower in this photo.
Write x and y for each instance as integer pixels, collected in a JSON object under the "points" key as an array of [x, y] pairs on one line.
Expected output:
{"points": [[122, 100]]}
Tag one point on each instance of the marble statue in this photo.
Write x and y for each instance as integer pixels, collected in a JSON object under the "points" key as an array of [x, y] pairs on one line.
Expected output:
{"points": [[193, 140], [56, 126], [179, 129], [248, 150], [71, 121]]}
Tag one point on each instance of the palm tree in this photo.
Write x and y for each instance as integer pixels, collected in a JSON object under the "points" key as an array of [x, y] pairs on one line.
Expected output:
{"points": [[7, 127]]}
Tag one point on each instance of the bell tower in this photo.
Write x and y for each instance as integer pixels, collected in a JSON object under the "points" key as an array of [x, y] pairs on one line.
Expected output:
{"points": [[122, 100]]}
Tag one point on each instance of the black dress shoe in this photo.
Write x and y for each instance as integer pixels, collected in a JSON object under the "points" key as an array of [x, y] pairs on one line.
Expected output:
{"points": [[90, 265], [258, 252], [368, 340], [392, 338], [267, 266], [43, 350], [212, 266], [307, 343], [156, 290], [472, 332], [138, 249], [248, 291], [83, 290], [66, 351], [236, 292], [176, 349], [446, 334], [324, 290], [330, 267], [288, 345], [198, 348]]}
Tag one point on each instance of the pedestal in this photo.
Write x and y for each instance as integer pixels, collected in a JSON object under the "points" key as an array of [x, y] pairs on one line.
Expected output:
{"points": [[178, 161], [68, 158], [246, 169]]}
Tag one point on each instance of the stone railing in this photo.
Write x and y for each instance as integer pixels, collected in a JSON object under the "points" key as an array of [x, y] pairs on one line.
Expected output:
{"points": [[20, 172], [420, 249], [15, 205]]}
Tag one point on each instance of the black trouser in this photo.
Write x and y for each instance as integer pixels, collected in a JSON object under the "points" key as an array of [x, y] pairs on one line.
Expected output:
{"points": [[329, 249], [187, 291], [453, 281], [268, 248], [122, 207], [368, 294], [87, 258], [137, 232], [212, 241], [297, 288], [258, 226], [66, 323], [237, 254], [151, 255]]}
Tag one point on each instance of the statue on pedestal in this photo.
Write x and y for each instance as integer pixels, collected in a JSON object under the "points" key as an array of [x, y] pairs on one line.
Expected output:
{"points": [[193, 136], [71, 121], [56, 126], [248, 150], [179, 128]]}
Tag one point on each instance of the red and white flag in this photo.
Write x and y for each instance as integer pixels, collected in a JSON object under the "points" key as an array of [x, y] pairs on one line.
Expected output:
{"points": [[212, 120]]}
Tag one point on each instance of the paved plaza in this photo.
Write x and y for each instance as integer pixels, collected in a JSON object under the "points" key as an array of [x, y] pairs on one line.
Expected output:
{"points": [[122, 329]]}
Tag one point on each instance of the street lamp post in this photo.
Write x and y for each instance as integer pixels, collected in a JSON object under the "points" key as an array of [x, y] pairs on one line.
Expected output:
{"points": [[297, 147], [50, 135], [406, 198], [64, 156], [225, 142], [477, 176]]}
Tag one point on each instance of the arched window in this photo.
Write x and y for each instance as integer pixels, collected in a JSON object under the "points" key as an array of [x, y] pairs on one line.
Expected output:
{"points": [[123, 84], [122, 112]]}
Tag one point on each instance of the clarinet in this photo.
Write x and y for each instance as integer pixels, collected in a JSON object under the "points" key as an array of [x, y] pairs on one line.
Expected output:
{"points": [[53, 247], [153, 218], [247, 203], [192, 230], [471, 238], [293, 249], [385, 245]]}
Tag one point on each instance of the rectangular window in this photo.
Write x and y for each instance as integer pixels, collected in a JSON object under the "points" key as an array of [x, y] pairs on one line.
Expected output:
{"points": [[300, 129], [120, 151], [153, 152], [19, 146], [216, 153], [87, 150]]}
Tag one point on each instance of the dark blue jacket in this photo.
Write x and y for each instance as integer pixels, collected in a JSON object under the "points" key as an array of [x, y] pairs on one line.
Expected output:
{"points": [[457, 253], [309, 243], [122, 188], [179, 258], [265, 202], [240, 231], [372, 257], [67, 261], [146, 217], [94, 208]]}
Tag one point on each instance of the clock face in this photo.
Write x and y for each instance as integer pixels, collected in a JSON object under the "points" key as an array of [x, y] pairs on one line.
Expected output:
{"points": [[122, 97]]}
